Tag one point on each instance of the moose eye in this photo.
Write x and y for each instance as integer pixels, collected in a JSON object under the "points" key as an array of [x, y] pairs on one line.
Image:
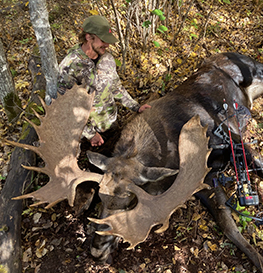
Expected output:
{"points": [[258, 72], [115, 174], [117, 191]]}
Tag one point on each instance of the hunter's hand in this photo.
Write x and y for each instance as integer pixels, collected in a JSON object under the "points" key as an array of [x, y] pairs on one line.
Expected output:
{"points": [[144, 107], [97, 140]]}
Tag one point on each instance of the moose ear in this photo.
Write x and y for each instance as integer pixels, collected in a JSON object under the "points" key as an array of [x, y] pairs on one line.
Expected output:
{"points": [[98, 160], [153, 174]]}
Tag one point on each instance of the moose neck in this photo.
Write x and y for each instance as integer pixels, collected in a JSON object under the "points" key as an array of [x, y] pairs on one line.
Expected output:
{"points": [[144, 138]]}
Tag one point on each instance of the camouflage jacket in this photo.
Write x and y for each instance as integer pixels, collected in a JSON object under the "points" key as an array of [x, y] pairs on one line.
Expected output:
{"points": [[102, 78]]}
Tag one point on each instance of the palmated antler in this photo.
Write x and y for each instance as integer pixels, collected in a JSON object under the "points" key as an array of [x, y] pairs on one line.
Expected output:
{"points": [[59, 135], [134, 225]]}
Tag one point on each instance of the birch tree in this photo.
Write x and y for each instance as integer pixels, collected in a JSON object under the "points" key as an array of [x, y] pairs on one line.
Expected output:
{"points": [[8, 96], [6, 80], [39, 19]]}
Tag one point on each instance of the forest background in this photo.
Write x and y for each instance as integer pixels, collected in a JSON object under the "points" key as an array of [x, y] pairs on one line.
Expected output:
{"points": [[161, 44]]}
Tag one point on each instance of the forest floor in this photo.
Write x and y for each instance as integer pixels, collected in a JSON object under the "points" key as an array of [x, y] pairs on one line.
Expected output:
{"points": [[57, 240]]}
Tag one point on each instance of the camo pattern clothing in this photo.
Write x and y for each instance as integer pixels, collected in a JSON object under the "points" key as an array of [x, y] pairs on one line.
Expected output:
{"points": [[103, 78]]}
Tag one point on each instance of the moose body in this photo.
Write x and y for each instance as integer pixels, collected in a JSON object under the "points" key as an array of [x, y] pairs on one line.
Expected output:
{"points": [[147, 151], [161, 158]]}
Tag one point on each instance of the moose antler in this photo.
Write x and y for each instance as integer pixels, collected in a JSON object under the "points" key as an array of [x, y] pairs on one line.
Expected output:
{"points": [[59, 135], [134, 225]]}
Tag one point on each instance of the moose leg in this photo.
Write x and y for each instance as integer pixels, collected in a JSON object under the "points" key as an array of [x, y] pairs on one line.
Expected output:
{"points": [[215, 200], [102, 246]]}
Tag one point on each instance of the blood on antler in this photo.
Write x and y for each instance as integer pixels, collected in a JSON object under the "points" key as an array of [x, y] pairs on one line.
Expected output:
{"points": [[59, 135], [134, 225]]}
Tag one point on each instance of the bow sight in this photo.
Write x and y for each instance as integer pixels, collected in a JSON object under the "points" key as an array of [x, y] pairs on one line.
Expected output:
{"points": [[244, 194]]}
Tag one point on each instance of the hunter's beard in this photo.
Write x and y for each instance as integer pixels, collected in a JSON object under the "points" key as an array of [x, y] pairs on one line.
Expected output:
{"points": [[100, 50]]}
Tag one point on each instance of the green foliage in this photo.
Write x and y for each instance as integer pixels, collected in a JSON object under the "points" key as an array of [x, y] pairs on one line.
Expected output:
{"points": [[13, 72], [156, 44], [161, 28], [167, 78], [259, 125], [194, 23], [192, 35], [146, 23], [159, 13], [230, 245], [118, 62], [25, 41], [56, 26], [181, 233], [40, 109], [11, 2], [214, 28], [2, 177], [225, 1], [28, 211], [243, 220]]}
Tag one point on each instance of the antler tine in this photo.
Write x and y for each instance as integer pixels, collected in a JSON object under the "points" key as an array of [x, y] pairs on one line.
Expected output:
{"points": [[53, 203], [134, 225], [37, 115], [44, 104], [59, 134], [37, 169], [21, 145]]}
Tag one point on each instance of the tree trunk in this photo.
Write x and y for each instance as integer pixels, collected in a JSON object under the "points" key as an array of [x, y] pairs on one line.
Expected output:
{"points": [[8, 96], [17, 180], [10, 210], [39, 19], [6, 80]]}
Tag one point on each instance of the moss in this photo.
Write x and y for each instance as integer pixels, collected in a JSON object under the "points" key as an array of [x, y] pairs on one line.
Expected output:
{"points": [[26, 128], [36, 50], [55, 13], [12, 105]]}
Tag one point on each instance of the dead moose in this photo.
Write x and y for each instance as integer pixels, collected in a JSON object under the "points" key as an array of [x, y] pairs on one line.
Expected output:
{"points": [[161, 159]]}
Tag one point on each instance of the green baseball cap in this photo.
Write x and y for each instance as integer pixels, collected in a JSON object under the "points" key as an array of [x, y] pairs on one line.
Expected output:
{"points": [[99, 26]]}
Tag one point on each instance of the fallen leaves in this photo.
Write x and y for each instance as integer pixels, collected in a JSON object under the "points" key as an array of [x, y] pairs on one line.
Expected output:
{"points": [[213, 247], [20, 84], [195, 251], [41, 250]]}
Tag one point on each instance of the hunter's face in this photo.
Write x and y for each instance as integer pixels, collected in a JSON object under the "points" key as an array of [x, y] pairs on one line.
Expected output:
{"points": [[99, 46]]}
